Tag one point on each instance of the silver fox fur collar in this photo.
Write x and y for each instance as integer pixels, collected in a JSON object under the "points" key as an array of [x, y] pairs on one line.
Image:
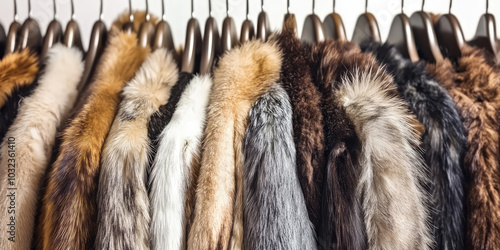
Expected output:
{"points": [[123, 204]]}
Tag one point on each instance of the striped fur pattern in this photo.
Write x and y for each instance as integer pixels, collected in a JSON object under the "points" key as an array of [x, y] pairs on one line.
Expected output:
{"points": [[275, 212], [34, 130], [243, 74], [123, 204], [174, 171], [68, 215]]}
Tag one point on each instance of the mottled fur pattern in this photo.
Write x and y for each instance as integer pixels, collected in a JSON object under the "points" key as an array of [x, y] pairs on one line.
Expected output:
{"points": [[34, 130], [275, 212], [443, 143], [474, 86], [243, 74], [122, 199], [174, 172], [307, 118], [68, 215]]}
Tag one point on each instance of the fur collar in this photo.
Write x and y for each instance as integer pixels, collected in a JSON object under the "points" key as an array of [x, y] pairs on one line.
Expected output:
{"points": [[391, 168], [474, 85], [123, 204], [35, 129], [275, 212], [68, 215], [443, 143], [307, 119], [243, 75], [173, 172]]}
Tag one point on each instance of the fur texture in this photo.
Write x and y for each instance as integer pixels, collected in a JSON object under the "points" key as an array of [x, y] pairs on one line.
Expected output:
{"points": [[474, 86], [243, 75], [389, 186], [174, 172], [35, 128], [275, 212], [307, 119], [443, 143], [123, 204], [68, 216], [18, 73]]}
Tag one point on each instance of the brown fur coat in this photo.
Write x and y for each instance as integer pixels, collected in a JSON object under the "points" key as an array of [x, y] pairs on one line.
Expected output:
{"points": [[242, 76]]}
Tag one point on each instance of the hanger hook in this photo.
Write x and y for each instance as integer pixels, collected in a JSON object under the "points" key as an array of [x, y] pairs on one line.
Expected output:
{"points": [[247, 10], [261, 5], [15, 10], [148, 16], [366, 6], [402, 6], [162, 10], [29, 8], [227, 8], [334, 3], [72, 10], [131, 15], [209, 8], [314, 5], [487, 6], [288, 6], [54, 8], [100, 11], [423, 3], [449, 9]]}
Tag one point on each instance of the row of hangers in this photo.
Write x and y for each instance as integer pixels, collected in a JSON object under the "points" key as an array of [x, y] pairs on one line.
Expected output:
{"points": [[415, 37]]}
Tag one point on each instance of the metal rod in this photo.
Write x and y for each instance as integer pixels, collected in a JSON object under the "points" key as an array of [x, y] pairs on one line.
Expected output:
{"points": [[366, 6], [402, 6], [210, 8], [227, 8], [15, 10], [148, 16], [72, 10], [54, 8], [449, 9], [314, 3], [100, 10], [162, 10], [423, 3], [288, 6], [334, 3], [487, 6], [131, 15], [29, 8]]}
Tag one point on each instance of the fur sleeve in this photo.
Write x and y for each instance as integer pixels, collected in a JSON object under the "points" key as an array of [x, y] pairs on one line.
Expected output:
{"points": [[443, 143], [34, 130], [275, 213], [123, 204], [243, 75], [68, 214], [172, 172]]}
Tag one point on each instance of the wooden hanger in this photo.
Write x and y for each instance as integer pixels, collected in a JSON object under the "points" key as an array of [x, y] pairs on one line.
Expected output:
{"points": [[146, 32], [30, 35], [163, 35], [247, 29], [450, 36], [290, 18], [53, 34], [486, 33], [425, 36], [211, 44], [263, 26], [366, 28], [192, 49], [72, 37], [334, 26], [13, 33], [128, 27], [313, 31], [401, 36], [229, 36]]}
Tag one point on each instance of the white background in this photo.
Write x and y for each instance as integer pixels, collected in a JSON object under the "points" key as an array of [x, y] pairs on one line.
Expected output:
{"points": [[178, 12]]}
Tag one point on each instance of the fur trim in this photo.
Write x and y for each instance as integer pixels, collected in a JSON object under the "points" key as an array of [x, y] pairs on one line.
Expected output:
{"points": [[123, 204], [68, 216], [243, 75], [443, 143], [474, 85], [172, 174], [307, 119], [275, 212], [34, 130]]}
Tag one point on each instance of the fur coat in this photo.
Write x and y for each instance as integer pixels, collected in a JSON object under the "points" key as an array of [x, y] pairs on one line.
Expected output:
{"points": [[443, 143], [243, 74], [391, 168], [275, 212], [474, 86], [173, 173], [18, 72], [68, 213], [307, 119], [34, 130], [122, 199]]}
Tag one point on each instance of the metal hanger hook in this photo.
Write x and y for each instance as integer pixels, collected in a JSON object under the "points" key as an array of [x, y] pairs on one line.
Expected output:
{"points": [[288, 6], [227, 8], [210, 8], [15, 10], [334, 3], [487, 6], [402, 6], [55, 9], [366, 6], [248, 10], [163, 10], [313, 6], [131, 15], [423, 3], [100, 10], [449, 9], [72, 10], [148, 16], [29, 8]]}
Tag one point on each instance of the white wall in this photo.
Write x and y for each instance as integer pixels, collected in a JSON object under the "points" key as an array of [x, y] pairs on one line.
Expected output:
{"points": [[178, 12]]}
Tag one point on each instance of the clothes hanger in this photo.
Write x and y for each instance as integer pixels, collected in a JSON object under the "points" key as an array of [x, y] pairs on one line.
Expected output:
{"points": [[98, 38], [192, 50], [13, 34], [366, 28], [290, 18], [450, 36], [128, 27], [211, 44], [334, 26], [53, 34], [72, 37], [163, 35], [229, 36], [263, 26], [30, 35], [146, 32], [401, 36], [247, 29], [425, 36], [313, 31], [486, 33]]}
